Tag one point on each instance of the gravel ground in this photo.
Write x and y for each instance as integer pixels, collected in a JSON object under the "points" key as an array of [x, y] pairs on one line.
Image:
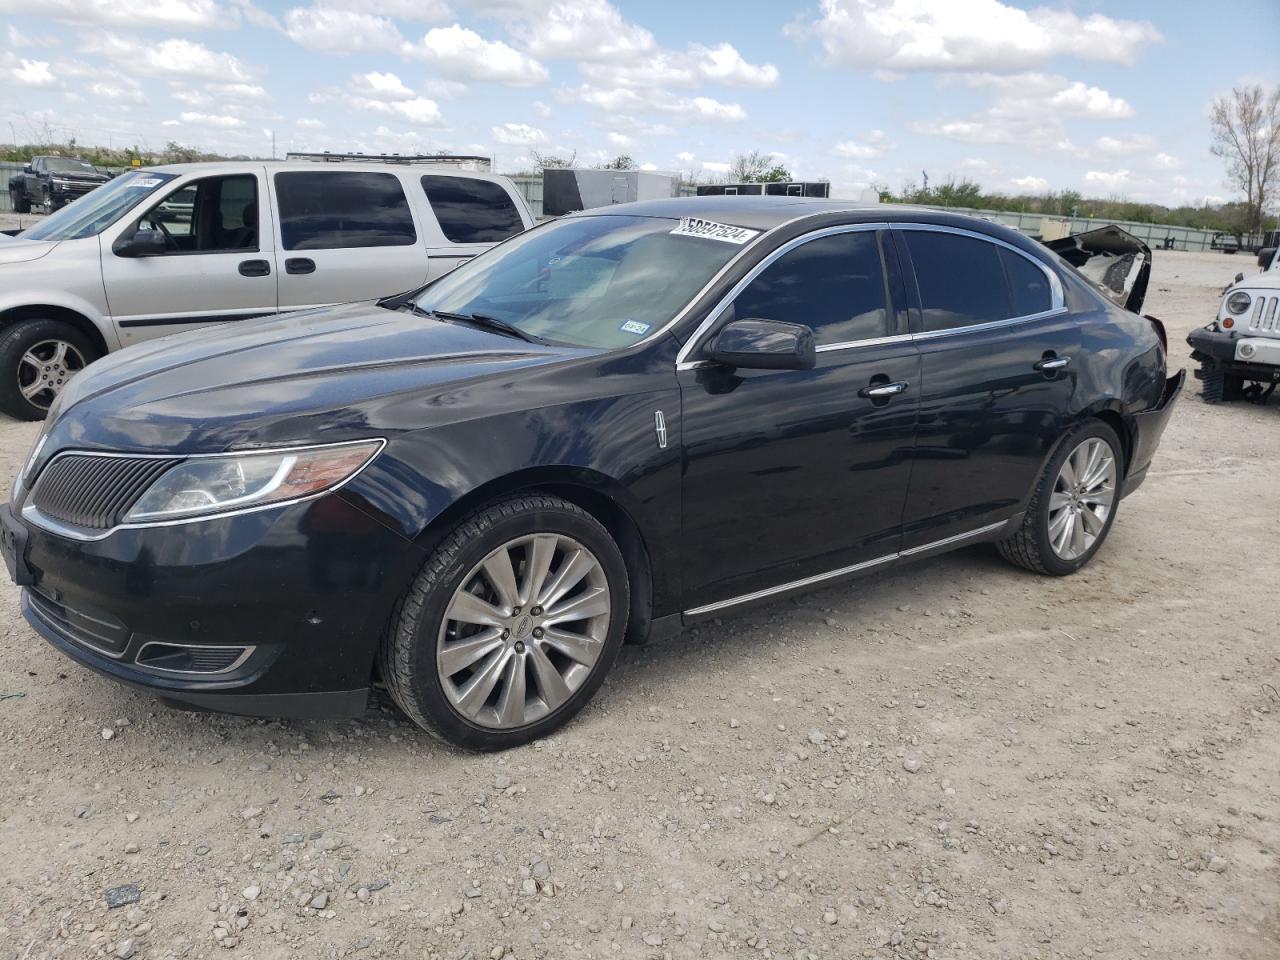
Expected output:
{"points": [[18, 221], [958, 760]]}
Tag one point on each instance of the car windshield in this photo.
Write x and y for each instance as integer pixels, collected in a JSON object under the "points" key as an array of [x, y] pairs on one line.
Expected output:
{"points": [[595, 281], [67, 165], [96, 211]]}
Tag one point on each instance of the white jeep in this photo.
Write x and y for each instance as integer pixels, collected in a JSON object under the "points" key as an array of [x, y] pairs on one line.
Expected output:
{"points": [[1239, 353]]}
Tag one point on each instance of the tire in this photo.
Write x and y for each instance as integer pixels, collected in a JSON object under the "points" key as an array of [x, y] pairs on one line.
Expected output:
{"points": [[1218, 387], [20, 202], [26, 342], [1032, 546], [422, 630]]}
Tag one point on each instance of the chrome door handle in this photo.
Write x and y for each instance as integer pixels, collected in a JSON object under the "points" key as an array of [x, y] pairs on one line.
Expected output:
{"points": [[882, 390], [1053, 363]]}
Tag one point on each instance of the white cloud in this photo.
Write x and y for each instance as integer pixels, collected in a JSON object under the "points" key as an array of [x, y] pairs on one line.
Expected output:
{"points": [[583, 30], [518, 134], [1166, 161], [626, 98], [17, 39], [243, 92], [170, 14], [181, 59], [33, 73], [211, 120], [873, 145], [429, 10], [904, 35], [463, 54], [119, 89], [309, 123], [1078, 100], [620, 140], [330, 30], [380, 86], [715, 166], [665, 68], [541, 110], [1032, 184], [417, 110], [1111, 180], [724, 64], [685, 156], [977, 164], [1137, 143]]}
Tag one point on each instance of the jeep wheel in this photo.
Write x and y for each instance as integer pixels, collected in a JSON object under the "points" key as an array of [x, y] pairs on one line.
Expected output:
{"points": [[37, 358], [511, 626], [1217, 386], [1074, 503], [20, 202]]}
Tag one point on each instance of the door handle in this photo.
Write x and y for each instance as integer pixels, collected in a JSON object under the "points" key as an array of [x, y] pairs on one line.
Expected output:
{"points": [[1052, 363], [883, 391], [297, 265], [255, 268]]}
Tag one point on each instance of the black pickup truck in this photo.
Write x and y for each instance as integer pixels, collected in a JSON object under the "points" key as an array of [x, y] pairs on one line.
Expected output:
{"points": [[53, 182]]}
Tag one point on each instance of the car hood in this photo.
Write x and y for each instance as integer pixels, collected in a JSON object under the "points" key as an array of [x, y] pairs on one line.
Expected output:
{"points": [[16, 250], [334, 373]]}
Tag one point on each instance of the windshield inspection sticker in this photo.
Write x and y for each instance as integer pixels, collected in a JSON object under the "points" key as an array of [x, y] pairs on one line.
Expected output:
{"points": [[710, 230], [146, 182], [635, 326]]}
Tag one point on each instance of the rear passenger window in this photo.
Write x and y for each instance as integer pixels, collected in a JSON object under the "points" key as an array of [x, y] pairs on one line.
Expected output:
{"points": [[961, 279], [833, 284], [333, 209], [1028, 285], [472, 211]]}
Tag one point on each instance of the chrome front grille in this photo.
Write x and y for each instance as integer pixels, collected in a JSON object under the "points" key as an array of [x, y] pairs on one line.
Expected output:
{"points": [[1265, 315], [93, 490]]}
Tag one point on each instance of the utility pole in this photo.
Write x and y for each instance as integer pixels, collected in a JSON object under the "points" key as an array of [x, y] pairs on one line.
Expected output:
{"points": [[926, 180], [273, 143]]}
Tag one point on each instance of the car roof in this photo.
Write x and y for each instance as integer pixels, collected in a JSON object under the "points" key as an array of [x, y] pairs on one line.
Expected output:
{"points": [[279, 166], [759, 213]]}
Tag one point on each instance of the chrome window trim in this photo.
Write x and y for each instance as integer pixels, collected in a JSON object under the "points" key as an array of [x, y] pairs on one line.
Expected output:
{"points": [[246, 653], [33, 515], [682, 358], [842, 571]]}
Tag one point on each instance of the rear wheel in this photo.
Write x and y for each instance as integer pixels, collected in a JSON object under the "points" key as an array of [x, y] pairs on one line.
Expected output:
{"points": [[1074, 504], [20, 202], [511, 626], [37, 360]]}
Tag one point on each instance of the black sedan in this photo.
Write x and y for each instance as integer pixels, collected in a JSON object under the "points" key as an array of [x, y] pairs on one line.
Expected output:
{"points": [[604, 429]]}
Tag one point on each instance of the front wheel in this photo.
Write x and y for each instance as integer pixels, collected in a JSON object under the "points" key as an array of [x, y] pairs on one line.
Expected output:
{"points": [[1074, 504], [37, 359], [511, 626]]}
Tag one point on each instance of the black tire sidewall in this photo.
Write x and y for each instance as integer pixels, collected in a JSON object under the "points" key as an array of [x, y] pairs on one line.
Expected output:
{"points": [[17, 340], [1053, 563], [427, 689]]}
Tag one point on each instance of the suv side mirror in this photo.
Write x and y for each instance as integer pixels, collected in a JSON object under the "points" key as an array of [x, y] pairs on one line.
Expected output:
{"points": [[141, 243], [765, 345], [26, 168]]}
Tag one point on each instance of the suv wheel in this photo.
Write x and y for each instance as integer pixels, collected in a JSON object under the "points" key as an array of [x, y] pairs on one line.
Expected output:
{"points": [[511, 626], [1074, 504], [19, 202], [37, 359]]}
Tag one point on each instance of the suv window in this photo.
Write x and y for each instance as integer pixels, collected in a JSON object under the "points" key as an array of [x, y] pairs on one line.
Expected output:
{"points": [[833, 284], [960, 278], [334, 209], [472, 211], [211, 215], [1027, 284]]}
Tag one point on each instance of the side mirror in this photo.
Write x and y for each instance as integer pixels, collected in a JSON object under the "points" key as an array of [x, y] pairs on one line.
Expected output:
{"points": [[765, 345], [26, 168], [141, 243]]}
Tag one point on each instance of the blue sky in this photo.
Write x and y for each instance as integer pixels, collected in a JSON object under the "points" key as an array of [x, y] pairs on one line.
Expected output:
{"points": [[1109, 98]]}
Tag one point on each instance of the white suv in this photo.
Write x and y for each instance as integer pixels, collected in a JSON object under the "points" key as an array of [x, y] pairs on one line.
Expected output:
{"points": [[174, 248]]}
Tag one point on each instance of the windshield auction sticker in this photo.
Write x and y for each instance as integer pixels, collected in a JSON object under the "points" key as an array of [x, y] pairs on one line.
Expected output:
{"points": [[710, 230]]}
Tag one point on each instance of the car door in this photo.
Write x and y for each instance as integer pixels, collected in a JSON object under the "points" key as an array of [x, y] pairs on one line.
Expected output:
{"points": [[793, 474], [344, 235], [470, 215], [217, 264], [999, 362]]}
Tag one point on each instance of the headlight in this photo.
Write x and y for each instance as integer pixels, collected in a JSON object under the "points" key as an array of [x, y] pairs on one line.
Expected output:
{"points": [[1238, 302], [223, 482]]}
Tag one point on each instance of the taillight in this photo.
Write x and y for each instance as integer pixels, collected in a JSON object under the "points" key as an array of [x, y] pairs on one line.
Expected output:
{"points": [[1160, 332]]}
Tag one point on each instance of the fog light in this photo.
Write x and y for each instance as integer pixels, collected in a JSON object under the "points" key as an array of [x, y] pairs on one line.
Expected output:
{"points": [[1247, 350]]}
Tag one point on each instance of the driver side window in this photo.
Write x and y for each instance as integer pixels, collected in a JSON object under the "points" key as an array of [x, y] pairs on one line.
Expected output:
{"points": [[212, 215], [834, 284]]}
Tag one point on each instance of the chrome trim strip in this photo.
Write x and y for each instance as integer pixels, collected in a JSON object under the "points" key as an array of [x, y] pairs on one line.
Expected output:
{"points": [[850, 344], [793, 585], [842, 571], [73, 637], [993, 325], [32, 514], [714, 313], [239, 661], [968, 535]]}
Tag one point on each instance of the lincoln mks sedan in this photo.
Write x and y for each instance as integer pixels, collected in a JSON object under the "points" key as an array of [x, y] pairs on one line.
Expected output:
{"points": [[602, 430]]}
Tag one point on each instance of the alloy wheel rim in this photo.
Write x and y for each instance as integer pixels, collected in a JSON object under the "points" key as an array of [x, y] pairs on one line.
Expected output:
{"points": [[523, 631], [1082, 499], [43, 371]]}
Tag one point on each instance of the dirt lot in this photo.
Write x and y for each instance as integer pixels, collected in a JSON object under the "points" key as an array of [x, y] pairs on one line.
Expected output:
{"points": [[959, 760]]}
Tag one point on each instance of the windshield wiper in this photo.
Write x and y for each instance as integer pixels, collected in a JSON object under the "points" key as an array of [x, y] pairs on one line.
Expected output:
{"points": [[484, 321]]}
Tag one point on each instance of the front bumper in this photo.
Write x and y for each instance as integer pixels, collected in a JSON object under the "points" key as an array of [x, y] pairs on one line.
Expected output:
{"points": [[71, 191], [287, 606], [1252, 358]]}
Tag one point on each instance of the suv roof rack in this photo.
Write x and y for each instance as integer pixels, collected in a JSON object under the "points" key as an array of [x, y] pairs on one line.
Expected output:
{"points": [[469, 161]]}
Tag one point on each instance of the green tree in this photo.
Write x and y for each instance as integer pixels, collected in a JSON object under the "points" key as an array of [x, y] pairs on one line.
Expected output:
{"points": [[1245, 130]]}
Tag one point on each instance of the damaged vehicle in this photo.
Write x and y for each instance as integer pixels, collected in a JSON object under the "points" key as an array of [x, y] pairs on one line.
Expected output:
{"points": [[608, 428], [1238, 354]]}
